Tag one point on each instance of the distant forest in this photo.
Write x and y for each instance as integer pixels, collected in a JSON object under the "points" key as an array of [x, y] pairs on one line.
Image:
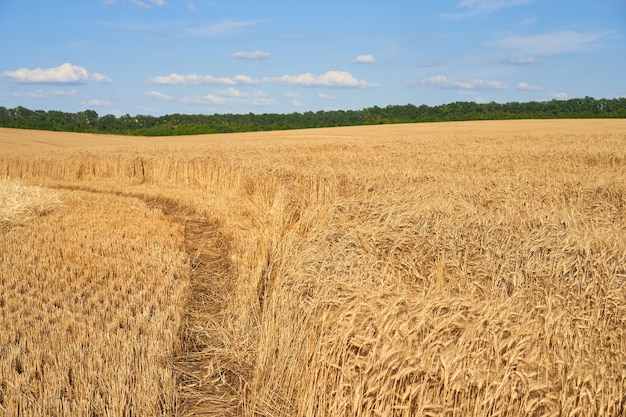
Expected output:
{"points": [[88, 121]]}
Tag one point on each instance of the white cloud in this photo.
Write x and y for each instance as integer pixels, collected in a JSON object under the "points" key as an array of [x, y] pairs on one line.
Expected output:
{"points": [[326, 96], [245, 80], [194, 79], [234, 93], [219, 97], [442, 81], [100, 78], [559, 96], [29, 94], [96, 102], [528, 87], [560, 42], [144, 5], [140, 4], [336, 79], [192, 6], [63, 93], [64, 74], [470, 93], [479, 7], [224, 28], [365, 59], [252, 55], [295, 99], [43, 94], [232, 96], [157, 95]]}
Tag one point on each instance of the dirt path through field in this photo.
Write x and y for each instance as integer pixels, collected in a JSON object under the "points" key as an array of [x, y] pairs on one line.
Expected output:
{"points": [[211, 283]]}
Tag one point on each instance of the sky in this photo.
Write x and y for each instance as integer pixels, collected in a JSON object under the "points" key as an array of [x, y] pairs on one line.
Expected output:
{"points": [[157, 57]]}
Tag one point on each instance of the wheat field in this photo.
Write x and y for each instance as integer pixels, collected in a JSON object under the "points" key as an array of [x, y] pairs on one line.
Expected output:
{"points": [[437, 269]]}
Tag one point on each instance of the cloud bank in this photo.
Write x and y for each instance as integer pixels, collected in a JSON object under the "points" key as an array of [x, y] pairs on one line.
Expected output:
{"points": [[441, 81], [218, 97], [195, 79], [334, 79], [45, 94]]}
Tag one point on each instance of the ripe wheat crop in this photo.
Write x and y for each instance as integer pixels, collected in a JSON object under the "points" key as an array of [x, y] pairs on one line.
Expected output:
{"points": [[454, 269]]}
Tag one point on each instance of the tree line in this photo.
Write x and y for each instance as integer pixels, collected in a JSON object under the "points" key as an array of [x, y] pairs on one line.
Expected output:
{"points": [[88, 121]]}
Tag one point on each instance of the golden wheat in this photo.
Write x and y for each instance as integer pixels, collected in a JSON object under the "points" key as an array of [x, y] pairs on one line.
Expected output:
{"points": [[461, 269]]}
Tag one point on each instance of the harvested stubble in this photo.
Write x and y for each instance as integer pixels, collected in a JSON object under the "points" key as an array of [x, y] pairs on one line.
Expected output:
{"points": [[89, 304], [468, 269]]}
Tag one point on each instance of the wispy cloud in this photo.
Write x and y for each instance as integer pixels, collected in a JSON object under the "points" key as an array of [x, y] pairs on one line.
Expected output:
{"points": [[470, 93], [195, 79], [63, 93], [430, 64], [326, 96], [480, 7], [44, 94], [224, 28], [520, 61], [158, 95], [147, 4], [252, 55], [559, 42], [64, 74], [559, 96], [295, 99], [364, 59], [100, 78], [335, 79], [441, 81], [528, 87], [96, 102], [29, 94]]}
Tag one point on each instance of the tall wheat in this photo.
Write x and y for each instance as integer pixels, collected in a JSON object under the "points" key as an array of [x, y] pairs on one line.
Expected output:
{"points": [[464, 269]]}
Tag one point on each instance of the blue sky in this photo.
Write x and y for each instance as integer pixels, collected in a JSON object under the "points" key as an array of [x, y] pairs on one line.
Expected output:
{"points": [[239, 56]]}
